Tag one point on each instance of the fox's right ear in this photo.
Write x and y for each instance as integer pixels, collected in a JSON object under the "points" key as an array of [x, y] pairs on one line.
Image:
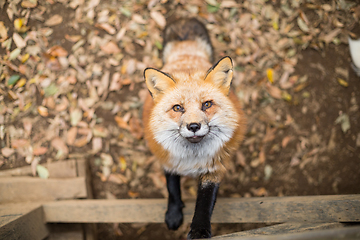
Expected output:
{"points": [[157, 81]]}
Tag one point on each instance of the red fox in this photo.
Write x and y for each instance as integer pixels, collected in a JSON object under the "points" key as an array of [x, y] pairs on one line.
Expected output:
{"points": [[193, 122]]}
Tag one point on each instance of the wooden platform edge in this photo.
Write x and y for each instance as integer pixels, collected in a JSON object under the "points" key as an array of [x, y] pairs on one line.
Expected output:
{"points": [[26, 224], [345, 233], [315, 209], [282, 228]]}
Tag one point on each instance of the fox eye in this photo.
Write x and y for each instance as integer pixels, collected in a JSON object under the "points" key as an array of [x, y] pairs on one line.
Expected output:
{"points": [[177, 108], [206, 105]]}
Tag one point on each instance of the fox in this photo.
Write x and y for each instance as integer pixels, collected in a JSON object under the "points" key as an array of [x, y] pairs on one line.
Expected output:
{"points": [[193, 122]]}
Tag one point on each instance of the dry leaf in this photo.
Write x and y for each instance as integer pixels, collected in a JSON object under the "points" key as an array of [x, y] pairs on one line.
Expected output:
{"points": [[7, 152], [43, 111], [57, 51], [19, 41], [40, 151], [71, 136], [81, 142], [54, 20], [158, 18], [110, 48], [60, 145], [274, 91], [107, 27]]}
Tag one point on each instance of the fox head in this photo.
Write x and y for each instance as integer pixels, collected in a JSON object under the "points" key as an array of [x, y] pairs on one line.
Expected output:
{"points": [[192, 112]]}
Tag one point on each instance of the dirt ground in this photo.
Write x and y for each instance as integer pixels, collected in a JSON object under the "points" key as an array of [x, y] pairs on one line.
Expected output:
{"points": [[83, 87]]}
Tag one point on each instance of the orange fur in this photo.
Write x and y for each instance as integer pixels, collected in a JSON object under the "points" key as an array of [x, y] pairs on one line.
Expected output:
{"points": [[189, 83]]}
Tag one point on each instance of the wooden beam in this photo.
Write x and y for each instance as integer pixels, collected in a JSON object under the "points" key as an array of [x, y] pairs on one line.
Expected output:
{"points": [[22, 189], [346, 233], [281, 229], [22, 221], [337, 208], [59, 169]]}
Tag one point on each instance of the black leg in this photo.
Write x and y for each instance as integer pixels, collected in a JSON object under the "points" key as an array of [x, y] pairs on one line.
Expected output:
{"points": [[205, 202], [174, 215]]}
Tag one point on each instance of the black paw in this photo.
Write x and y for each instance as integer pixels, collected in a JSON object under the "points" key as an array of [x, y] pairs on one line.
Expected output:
{"points": [[174, 217], [199, 233]]}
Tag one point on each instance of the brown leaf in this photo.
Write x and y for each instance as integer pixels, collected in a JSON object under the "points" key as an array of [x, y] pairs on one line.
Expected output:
{"points": [[80, 142], [57, 51], [54, 20], [71, 136], [60, 145], [121, 123], [40, 151], [7, 152], [19, 41], [274, 91], [107, 27], [158, 18], [110, 48]]}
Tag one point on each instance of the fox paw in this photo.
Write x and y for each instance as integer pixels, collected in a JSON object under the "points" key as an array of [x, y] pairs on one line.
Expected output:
{"points": [[174, 218], [199, 233]]}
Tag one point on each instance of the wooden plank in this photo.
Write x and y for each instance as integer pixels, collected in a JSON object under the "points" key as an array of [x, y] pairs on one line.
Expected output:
{"points": [[347, 233], [59, 169], [66, 231], [337, 208], [25, 221], [21, 189], [282, 229]]}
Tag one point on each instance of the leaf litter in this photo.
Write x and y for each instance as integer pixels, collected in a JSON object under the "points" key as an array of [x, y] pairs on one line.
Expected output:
{"points": [[86, 86]]}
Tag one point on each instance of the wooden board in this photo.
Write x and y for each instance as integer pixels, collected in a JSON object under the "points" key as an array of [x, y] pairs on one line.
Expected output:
{"points": [[25, 221], [340, 208], [347, 233], [59, 169], [282, 229], [21, 189]]}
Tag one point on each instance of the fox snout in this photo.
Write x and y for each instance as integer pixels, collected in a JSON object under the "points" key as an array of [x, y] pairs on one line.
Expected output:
{"points": [[194, 127]]}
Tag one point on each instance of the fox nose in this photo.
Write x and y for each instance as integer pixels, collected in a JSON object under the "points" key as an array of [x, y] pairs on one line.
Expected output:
{"points": [[194, 127]]}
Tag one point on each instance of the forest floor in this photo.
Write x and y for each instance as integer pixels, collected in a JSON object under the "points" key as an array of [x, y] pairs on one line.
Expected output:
{"points": [[71, 86]]}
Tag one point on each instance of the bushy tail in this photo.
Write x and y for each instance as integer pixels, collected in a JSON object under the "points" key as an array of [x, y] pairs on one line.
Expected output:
{"points": [[187, 29]]}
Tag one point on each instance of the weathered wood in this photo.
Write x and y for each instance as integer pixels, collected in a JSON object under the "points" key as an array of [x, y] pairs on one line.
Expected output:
{"points": [[66, 231], [339, 208], [22, 221], [59, 169], [282, 229], [21, 189], [347, 233]]}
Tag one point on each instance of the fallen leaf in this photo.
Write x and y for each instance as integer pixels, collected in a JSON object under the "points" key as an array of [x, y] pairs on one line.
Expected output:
{"points": [[43, 111], [96, 144], [75, 116], [40, 151], [7, 152], [344, 121], [158, 18], [60, 145], [270, 75], [54, 20], [110, 48], [57, 51], [29, 3], [42, 172], [107, 27], [19, 41], [342, 82], [274, 91], [81, 142], [3, 32], [71, 136]]}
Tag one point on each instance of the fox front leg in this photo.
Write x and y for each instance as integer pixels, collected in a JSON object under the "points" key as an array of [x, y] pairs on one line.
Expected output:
{"points": [[174, 214], [205, 202]]}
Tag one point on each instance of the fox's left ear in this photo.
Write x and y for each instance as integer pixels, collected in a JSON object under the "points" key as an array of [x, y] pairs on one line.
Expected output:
{"points": [[221, 74]]}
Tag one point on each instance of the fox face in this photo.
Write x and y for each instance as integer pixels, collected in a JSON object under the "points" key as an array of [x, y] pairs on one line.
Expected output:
{"points": [[193, 117]]}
